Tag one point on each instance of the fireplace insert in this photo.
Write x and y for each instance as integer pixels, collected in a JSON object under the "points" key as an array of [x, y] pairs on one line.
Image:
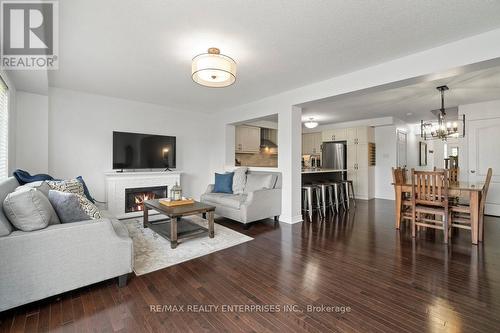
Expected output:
{"points": [[134, 197]]}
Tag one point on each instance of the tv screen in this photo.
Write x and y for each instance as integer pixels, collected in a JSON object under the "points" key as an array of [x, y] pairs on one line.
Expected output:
{"points": [[143, 151]]}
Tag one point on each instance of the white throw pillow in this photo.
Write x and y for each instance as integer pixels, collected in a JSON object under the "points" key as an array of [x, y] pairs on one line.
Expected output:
{"points": [[239, 180], [28, 209], [257, 182]]}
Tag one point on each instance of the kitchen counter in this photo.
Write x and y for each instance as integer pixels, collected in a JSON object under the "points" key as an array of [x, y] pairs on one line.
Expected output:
{"points": [[320, 170]]}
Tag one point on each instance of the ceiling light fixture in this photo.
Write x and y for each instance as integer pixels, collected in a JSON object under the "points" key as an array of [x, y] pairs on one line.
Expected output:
{"points": [[443, 128], [311, 123], [213, 69]]}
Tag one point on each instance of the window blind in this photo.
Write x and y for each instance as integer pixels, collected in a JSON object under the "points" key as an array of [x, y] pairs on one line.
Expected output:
{"points": [[4, 129]]}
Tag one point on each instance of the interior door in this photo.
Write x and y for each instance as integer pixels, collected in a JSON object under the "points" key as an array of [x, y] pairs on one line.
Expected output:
{"points": [[401, 149], [483, 147]]}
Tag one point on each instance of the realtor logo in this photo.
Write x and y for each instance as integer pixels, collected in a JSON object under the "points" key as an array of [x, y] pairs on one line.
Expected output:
{"points": [[29, 34]]}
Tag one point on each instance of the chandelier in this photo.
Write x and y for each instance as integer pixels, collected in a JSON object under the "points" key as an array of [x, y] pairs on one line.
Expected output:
{"points": [[444, 127]]}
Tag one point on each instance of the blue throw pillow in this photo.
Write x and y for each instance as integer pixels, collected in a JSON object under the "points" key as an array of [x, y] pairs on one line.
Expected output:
{"points": [[224, 183], [85, 189], [23, 177]]}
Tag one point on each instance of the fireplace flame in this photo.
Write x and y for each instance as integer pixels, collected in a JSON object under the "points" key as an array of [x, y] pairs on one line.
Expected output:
{"points": [[139, 200]]}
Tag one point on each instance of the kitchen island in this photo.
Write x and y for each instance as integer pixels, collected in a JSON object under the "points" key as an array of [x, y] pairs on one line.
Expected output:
{"points": [[311, 175]]}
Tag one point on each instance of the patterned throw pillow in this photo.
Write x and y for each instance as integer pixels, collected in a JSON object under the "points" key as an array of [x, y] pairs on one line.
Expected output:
{"points": [[89, 208], [239, 180], [69, 185], [74, 186]]}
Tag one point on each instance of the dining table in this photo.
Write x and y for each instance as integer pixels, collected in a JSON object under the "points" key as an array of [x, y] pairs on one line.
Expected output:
{"points": [[463, 189]]}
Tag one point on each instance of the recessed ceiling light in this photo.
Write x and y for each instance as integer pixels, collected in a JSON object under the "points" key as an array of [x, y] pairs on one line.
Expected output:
{"points": [[409, 114], [213, 69]]}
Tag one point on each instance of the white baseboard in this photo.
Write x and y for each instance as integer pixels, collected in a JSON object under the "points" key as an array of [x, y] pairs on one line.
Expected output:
{"points": [[291, 219]]}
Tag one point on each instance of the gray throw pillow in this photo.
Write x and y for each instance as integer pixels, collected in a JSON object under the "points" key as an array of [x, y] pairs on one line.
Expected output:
{"points": [[257, 182], [43, 187], [239, 180], [67, 206], [28, 210]]}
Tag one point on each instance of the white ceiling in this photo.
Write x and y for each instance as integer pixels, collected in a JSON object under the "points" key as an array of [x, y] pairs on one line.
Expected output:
{"points": [[142, 50], [409, 103]]}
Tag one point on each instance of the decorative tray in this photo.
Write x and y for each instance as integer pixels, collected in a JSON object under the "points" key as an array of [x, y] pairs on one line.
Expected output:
{"points": [[172, 203]]}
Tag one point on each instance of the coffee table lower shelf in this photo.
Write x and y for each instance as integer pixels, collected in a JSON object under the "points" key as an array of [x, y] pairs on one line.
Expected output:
{"points": [[185, 229]]}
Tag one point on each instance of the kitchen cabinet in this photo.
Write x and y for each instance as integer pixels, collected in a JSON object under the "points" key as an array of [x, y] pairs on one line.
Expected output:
{"points": [[358, 169], [336, 134], [247, 139], [360, 135], [311, 143], [359, 165]]}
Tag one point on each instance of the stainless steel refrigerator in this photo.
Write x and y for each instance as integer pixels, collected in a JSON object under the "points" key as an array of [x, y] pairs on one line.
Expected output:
{"points": [[334, 155]]}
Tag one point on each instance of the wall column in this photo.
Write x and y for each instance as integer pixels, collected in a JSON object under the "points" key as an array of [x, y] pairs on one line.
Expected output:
{"points": [[289, 162]]}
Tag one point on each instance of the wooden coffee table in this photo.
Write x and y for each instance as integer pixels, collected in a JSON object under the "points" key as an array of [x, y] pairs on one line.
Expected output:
{"points": [[175, 227]]}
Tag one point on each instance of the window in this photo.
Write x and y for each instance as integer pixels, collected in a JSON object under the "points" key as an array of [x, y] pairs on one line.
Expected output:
{"points": [[4, 129]]}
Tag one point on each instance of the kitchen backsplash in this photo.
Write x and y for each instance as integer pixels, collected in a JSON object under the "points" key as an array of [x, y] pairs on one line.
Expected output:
{"points": [[261, 159]]}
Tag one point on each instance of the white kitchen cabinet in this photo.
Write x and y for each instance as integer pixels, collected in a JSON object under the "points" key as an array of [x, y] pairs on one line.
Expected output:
{"points": [[351, 157], [247, 139], [306, 144], [358, 160], [311, 143], [359, 169], [360, 135], [336, 134], [352, 135]]}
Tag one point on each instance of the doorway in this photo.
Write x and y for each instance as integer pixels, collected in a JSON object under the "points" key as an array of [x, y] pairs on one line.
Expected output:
{"points": [[401, 138]]}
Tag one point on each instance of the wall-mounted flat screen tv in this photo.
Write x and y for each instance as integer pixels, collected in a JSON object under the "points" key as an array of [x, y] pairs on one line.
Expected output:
{"points": [[143, 151]]}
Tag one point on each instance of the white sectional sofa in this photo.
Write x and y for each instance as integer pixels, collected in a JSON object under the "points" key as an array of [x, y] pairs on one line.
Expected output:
{"points": [[62, 257]]}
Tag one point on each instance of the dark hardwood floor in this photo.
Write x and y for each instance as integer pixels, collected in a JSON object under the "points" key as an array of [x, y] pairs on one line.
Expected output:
{"points": [[385, 281]]}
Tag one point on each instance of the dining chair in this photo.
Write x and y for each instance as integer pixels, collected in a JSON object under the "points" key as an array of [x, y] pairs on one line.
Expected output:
{"points": [[430, 199], [460, 213], [399, 178], [453, 174]]}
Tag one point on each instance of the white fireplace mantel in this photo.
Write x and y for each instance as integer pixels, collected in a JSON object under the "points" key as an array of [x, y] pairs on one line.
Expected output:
{"points": [[118, 182]]}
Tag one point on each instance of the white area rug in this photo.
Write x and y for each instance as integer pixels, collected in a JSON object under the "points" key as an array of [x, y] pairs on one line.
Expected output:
{"points": [[152, 252]]}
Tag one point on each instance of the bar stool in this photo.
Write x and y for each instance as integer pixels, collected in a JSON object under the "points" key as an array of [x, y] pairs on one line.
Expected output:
{"points": [[349, 192], [308, 202], [325, 188], [337, 195]]}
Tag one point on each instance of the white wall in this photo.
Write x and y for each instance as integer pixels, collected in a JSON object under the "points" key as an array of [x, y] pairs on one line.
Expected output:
{"points": [[385, 141], [80, 137], [32, 132]]}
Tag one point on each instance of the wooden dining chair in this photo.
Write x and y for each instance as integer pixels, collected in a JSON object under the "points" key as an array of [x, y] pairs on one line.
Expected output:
{"points": [[430, 199], [399, 178], [460, 213], [453, 174]]}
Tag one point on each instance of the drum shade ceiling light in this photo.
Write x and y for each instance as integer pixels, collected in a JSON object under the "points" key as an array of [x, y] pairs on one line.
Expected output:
{"points": [[311, 123], [213, 69]]}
